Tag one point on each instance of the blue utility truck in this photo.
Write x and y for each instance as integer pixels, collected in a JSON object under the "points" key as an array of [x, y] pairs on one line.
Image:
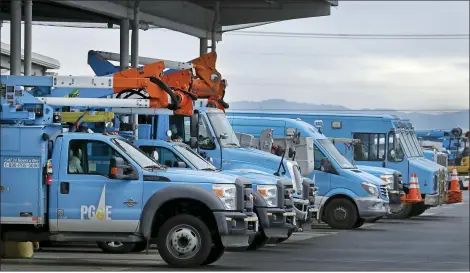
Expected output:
{"points": [[386, 141], [273, 196], [347, 196], [72, 186]]}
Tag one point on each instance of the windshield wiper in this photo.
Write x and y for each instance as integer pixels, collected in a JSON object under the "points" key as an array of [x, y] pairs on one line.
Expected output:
{"points": [[232, 144], [154, 167], [208, 169]]}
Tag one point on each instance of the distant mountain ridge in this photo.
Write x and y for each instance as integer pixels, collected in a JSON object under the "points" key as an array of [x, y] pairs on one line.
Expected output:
{"points": [[421, 121]]}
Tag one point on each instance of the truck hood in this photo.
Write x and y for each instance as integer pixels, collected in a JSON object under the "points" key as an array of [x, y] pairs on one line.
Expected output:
{"points": [[376, 171], [426, 171], [252, 159], [363, 176], [195, 176], [256, 177]]}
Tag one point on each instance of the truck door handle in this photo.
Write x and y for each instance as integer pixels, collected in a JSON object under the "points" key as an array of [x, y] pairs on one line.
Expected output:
{"points": [[64, 187]]}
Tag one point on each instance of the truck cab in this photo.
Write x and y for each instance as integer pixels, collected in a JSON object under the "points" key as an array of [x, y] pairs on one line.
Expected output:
{"points": [[273, 201], [386, 141], [71, 186], [339, 182]]}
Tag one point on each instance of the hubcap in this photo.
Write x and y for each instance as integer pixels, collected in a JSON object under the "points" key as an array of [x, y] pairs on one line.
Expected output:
{"points": [[340, 213], [183, 242], [114, 244]]}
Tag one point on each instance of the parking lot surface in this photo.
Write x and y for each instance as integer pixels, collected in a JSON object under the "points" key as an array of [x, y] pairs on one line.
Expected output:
{"points": [[438, 240]]}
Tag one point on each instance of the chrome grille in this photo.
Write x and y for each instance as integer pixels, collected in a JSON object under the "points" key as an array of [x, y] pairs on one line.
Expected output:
{"points": [[441, 159], [384, 191]]}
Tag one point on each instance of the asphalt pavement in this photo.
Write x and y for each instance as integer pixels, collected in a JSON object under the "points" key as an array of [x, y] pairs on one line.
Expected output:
{"points": [[438, 240]]}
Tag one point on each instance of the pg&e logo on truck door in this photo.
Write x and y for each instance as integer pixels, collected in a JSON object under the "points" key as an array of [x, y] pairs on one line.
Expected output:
{"points": [[102, 212]]}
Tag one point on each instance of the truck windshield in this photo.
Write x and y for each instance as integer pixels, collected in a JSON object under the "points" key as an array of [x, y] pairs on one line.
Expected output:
{"points": [[335, 154], [416, 143], [137, 155], [407, 144], [223, 130], [195, 159]]}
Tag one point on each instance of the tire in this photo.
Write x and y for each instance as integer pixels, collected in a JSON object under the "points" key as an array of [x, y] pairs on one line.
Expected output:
{"points": [[115, 247], [374, 220], [341, 214], [418, 209], [257, 241], [139, 247], [359, 223], [403, 213], [216, 253], [184, 234]]}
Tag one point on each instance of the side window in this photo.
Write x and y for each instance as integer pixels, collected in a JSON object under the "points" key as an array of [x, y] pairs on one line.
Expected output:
{"points": [[205, 137], [371, 148], [318, 155], [89, 157], [187, 129], [167, 157]]}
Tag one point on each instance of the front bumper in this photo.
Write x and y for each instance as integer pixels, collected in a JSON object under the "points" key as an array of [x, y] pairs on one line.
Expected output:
{"points": [[302, 210], [372, 207], [276, 222], [235, 227]]}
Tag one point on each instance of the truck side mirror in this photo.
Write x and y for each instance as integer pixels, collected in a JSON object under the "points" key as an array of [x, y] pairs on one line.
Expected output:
{"points": [[194, 125], [119, 169], [193, 143], [179, 164]]}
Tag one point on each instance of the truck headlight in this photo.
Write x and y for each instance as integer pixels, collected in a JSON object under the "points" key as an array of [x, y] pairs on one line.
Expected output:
{"points": [[269, 193], [227, 193], [370, 188]]}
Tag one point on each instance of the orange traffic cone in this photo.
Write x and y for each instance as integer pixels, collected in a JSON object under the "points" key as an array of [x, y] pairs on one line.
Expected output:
{"points": [[414, 194], [454, 194]]}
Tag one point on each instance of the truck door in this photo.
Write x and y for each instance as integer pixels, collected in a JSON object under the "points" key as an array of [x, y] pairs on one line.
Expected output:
{"points": [[371, 150], [396, 155], [88, 200], [322, 179], [208, 142]]}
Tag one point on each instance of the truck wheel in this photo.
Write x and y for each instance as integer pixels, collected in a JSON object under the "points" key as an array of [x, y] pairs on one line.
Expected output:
{"points": [[418, 209], [403, 212], [257, 241], [341, 214], [139, 247], [184, 241], [216, 252], [115, 247]]}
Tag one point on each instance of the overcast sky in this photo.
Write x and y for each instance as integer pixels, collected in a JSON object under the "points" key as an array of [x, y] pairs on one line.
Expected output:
{"points": [[399, 74]]}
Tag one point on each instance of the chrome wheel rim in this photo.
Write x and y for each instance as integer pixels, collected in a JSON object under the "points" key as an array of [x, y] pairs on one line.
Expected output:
{"points": [[183, 242], [114, 244], [340, 214]]}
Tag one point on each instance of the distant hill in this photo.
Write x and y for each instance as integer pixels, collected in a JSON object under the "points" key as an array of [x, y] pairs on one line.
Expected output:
{"points": [[421, 121]]}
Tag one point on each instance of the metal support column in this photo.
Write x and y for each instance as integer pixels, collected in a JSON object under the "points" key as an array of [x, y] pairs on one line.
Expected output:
{"points": [[135, 56], [202, 46], [215, 23], [15, 37], [135, 35], [124, 44], [28, 39]]}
